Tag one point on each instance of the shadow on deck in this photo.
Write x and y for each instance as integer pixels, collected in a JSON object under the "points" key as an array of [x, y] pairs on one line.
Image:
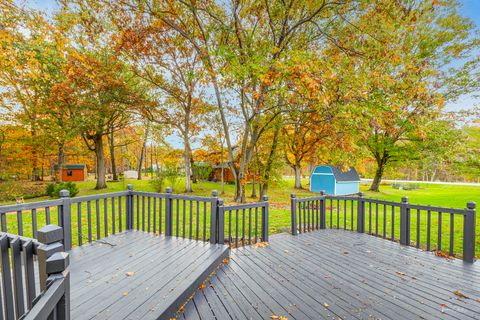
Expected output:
{"points": [[332, 274], [135, 275]]}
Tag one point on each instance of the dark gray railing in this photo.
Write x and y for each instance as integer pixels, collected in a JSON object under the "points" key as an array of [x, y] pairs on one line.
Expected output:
{"points": [[432, 228], [27, 294], [243, 224]]}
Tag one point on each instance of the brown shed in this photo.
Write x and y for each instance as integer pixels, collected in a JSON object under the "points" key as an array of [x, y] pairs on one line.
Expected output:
{"points": [[73, 172]]}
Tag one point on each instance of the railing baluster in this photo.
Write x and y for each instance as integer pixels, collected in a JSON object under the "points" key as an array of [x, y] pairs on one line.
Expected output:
{"points": [[89, 220], [20, 222], [393, 223], [236, 228], [191, 220], [243, 226], [450, 249], [249, 225], [439, 235], [344, 214], [105, 217], [160, 215], [34, 223], [143, 213], [197, 220], [369, 218], [428, 229], [230, 227], [299, 217], [120, 213], [256, 224], [352, 220], [27, 248], [184, 217], [418, 228], [384, 221], [304, 217], [309, 222], [16, 245], [47, 215], [149, 214], [331, 214], [205, 221], [97, 214], [177, 222], [113, 216], [376, 219], [7, 293], [138, 212], [154, 214], [79, 223]]}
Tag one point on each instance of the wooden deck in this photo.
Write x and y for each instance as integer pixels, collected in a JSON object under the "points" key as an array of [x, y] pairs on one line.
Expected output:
{"points": [[135, 275], [331, 274]]}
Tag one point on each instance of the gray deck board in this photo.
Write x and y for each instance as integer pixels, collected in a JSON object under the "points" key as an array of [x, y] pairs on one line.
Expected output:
{"points": [[337, 274], [136, 275]]}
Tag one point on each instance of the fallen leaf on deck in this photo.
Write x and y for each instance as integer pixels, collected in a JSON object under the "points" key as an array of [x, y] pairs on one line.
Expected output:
{"points": [[130, 273], [444, 255], [278, 317], [442, 307], [202, 286], [478, 300], [326, 305], [345, 252], [401, 273], [261, 244], [125, 293], [461, 295]]}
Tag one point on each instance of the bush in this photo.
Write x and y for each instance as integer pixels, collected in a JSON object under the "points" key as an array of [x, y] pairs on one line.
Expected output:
{"points": [[158, 182], [53, 190]]}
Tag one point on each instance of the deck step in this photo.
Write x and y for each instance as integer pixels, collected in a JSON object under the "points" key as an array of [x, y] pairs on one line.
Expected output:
{"points": [[139, 276]]}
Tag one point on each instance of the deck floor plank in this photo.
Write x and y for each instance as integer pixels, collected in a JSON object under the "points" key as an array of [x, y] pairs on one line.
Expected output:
{"points": [[356, 275], [136, 275]]}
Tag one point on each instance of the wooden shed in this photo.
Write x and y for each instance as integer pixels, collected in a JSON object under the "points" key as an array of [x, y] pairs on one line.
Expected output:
{"points": [[334, 180], [73, 172]]}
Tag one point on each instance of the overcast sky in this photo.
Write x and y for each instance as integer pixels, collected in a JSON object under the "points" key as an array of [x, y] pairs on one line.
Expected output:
{"points": [[469, 8]]}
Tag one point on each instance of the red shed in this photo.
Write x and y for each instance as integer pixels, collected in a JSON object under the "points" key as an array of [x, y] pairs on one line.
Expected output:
{"points": [[73, 172]]}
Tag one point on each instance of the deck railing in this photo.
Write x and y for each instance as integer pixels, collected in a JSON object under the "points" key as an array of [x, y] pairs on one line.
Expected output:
{"points": [[26, 294], [89, 218], [432, 228], [243, 224]]}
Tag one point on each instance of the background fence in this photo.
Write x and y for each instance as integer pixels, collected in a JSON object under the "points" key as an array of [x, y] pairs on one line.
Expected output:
{"points": [[427, 227]]}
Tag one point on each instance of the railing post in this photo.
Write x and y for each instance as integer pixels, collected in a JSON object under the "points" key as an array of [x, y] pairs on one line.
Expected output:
{"points": [[213, 217], [265, 219], [66, 219], [323, 211], [168, 212], [404, 222], [221, 222], [360, 213], [130, 207], [293, 210], [50, 238], [57, 268], [469, 233]]}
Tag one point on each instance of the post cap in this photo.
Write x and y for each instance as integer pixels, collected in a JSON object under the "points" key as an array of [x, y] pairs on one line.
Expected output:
{"points": [[50, 234], [293, 195], [265, 197], [322, 192], [220, 202], [471, 205], [404, 199], [168, 190], [214, 193], [58, 262], [130, 187], [64, 193]]}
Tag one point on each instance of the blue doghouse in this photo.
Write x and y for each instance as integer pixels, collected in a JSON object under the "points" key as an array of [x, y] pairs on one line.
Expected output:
{"points": [[334, 181]]}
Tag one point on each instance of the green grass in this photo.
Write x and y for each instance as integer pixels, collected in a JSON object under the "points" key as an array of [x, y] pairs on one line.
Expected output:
{"points": [[279, 198]]}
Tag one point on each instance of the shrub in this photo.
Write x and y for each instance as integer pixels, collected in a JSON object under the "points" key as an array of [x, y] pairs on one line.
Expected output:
{"points": [[157, 182], [53, 190]]}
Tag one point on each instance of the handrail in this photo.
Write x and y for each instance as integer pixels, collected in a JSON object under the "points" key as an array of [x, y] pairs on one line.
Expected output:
{"points": [[398, 221]]}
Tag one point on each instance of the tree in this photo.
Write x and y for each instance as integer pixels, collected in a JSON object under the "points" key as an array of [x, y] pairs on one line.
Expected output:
{"points": [[399, 81]]}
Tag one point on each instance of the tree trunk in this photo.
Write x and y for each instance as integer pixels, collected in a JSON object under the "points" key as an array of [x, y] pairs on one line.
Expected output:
{"points": [[111, 143], [188, 169], [269, 164], [142, 154], [378, 174], [298, 176], [100, 162], [60, 161]]}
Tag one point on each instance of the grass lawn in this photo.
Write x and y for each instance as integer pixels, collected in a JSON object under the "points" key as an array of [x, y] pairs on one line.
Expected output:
{"points": [[279, 196]]}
